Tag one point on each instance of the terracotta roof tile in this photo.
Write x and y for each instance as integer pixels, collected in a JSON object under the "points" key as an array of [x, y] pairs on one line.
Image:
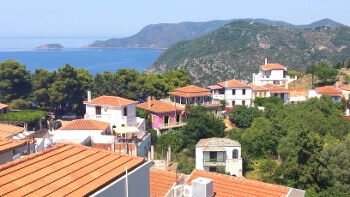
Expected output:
{"points": [[157, 106], [10, 144], [110, 100], [190, 91], [162, 181], [7, 130], [233, 84], [345, 87], [83, 124], [2, 106], [64, 170], [276, 89], [273, 67], [328, 90], [257, 88], [225, 185]]}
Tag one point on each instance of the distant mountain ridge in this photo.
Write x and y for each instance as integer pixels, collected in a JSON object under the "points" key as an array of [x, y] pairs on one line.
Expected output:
{"points": [[164, 35], [236, 50]]}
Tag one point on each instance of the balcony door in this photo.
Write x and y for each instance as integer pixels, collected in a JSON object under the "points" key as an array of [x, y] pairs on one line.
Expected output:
{"points": [[213, 156]]}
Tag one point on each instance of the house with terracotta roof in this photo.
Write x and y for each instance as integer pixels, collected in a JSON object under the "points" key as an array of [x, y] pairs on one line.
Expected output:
{"points": [[278, 91], [10, 149], [193, 95], [332, 91], [219, 154], [260, 91], [345, 90], [162, 182], [297, 95], [233, 92], [164, 115], [272, 73], [76, 170], [3, 108], [10, 131]]}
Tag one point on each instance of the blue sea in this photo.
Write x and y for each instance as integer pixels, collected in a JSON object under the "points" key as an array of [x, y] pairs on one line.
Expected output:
{"points": [[94, 60]]}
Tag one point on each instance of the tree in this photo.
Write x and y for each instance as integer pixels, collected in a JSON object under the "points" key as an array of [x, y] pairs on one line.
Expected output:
{"points": [[199, 125], [41, 80], [325, 73], [243, 116], [172, 138], [14, 81]]}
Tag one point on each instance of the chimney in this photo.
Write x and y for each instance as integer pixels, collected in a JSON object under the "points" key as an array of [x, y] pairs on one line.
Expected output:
{"points": [[265, 61], [149, 102], [89, 96]]}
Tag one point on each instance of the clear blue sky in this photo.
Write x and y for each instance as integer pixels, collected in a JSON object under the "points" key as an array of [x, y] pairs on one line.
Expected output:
{"points": [[122, 18]]}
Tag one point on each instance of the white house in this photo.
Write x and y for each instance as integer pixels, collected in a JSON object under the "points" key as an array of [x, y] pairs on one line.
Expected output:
{"points": [[219, 154], [233, 91], [117, 111], [272, 74]]}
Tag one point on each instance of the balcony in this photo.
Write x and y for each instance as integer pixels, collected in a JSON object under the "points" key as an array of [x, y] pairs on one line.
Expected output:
{"points": [[171, 125], [214, 162]]}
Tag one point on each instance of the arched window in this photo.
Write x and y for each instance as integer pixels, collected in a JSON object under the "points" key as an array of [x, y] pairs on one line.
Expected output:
{"points": [[235, 154]]}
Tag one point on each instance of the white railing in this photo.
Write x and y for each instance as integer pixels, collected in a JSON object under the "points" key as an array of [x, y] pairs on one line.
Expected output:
{"points": [[172, 125]]}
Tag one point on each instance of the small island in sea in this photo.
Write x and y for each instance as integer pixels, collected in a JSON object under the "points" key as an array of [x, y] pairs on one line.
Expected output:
{"points": [[50, 47]]}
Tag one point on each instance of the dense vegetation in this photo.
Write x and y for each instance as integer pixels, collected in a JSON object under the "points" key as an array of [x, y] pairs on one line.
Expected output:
{"points": [[65, 89], [236, 50], [305, 146]]}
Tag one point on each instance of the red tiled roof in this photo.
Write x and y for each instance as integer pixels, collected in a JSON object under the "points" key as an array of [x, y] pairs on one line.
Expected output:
{"points": [[2, 106], [7, 130], [276, 89], [83, 124], [64, 170], [161, 181], [190, 91], [225, 185], [273, 67], [233, 84], [328, 90], [215, 87], [10, 144], [257, 88], [110, 100], [345, 87], [157, 106]]}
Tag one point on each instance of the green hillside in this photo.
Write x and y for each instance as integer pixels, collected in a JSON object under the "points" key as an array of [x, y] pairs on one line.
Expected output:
{"points": [[237, 50]]}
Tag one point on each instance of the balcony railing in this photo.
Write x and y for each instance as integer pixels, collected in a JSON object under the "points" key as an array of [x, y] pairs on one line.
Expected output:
{"points": [[172, 125], [214, 162]]}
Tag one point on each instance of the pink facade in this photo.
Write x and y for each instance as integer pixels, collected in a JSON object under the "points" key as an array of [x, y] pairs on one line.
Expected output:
{"points": [[167, 120]]}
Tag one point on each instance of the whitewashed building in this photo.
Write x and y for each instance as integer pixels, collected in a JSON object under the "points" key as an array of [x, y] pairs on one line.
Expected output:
{"points": [[219, 155]]}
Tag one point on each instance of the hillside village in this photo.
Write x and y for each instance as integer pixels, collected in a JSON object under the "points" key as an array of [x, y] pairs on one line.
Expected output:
{"points": [[109, 150]]}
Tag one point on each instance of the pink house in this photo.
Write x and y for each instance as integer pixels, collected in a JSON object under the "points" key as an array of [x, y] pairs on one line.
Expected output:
{"points": [[164, 115]]}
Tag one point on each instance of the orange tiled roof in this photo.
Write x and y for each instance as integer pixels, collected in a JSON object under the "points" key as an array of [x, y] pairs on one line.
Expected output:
{"points": [[257, 88], [2, 106], [298, 92], [157, 106], [276, 89], [82, 124], [110, 100], [328, 90], [190, 91], [64, 170], [345, 87], [233, 84], [161, 181], [10, 144], [7, 130], [273, 67], [225, 185]]}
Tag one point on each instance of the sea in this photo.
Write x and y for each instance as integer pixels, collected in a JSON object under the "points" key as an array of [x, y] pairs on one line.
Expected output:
{"points": [[94, 60]]}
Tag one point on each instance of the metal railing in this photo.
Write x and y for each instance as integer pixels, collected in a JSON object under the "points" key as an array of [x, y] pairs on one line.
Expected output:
{"points": [[172, 125], [214, 162]]}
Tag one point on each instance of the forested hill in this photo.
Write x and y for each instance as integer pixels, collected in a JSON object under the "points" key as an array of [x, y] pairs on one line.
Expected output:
{"points": [[166, 34], [236, 50]]}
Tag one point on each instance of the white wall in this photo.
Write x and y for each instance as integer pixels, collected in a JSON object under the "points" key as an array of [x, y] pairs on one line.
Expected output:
{"points": [[238, 97]]}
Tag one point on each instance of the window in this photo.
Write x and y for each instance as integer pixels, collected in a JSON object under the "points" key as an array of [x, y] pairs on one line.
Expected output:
{"points": [[235, 154], [154, 118], [233, 92], [98, 110], [213, 155], [125, 111], [233, 103], [243, 102], [243, 91]]}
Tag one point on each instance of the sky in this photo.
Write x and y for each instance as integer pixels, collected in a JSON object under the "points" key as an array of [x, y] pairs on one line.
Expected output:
{"points": [[123, 18]]}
